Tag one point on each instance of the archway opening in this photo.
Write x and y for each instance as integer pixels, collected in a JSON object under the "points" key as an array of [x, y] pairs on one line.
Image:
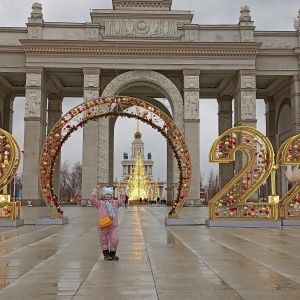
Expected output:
{"points": [[106, 107]]}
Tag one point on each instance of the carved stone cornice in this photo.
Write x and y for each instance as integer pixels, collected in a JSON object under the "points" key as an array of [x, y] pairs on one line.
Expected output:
{"points": [[154, 49], [91, 71], [278, 52], [34, 70], [297, 51], [11, 49]]}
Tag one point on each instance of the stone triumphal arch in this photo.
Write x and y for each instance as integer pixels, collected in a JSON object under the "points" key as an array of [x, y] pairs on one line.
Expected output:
{"points": [[144, 49]]}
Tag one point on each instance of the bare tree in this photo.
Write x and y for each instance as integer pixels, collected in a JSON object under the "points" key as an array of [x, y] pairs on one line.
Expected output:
{"points": [[70, 181], [213, 184], [76, 179], [201, 180], [64, 182]]}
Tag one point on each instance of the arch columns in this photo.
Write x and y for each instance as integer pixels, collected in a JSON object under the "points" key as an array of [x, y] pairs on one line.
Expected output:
{"points": [[245, 99], [295, 104], [95, 142], [192, 127], [244, 104], [54, 114], [8, 112], [226, 171], [34, 133], [271, 134]]}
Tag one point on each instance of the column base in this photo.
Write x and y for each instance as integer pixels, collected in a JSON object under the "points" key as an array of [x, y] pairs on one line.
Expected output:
{"points": [[11, 223], [179, 222], [45, 221], [290, 222], [243, 224]]}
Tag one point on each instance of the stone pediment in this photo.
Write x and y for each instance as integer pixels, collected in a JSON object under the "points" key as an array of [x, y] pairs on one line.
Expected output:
{"points": [[142, 4]]}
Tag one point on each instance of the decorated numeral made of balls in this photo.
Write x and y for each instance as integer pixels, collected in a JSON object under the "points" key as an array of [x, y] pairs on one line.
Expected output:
{"points": [[289, 155], [253, 154]]}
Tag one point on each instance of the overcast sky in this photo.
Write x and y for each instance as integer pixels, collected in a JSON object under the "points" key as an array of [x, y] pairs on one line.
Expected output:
{"points": [[275, 15]]}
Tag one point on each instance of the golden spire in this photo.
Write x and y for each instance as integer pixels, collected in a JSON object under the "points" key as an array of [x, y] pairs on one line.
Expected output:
{"points": [[137, 135]]}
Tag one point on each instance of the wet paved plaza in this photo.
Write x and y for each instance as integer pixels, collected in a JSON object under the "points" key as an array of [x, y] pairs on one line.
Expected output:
{"points": [[156, 262]]}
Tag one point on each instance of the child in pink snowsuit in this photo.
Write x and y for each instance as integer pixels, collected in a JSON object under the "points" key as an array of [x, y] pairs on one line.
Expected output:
{"points": [[109, 237]]}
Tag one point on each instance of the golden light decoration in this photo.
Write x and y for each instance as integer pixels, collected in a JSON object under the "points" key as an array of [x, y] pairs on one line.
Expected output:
{"points": [[289, 155], [10, 157], [254, 157], [105, 107]]}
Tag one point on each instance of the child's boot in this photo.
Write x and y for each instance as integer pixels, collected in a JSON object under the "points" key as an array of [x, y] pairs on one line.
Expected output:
{"points": [[106, 255], [113, 255]]}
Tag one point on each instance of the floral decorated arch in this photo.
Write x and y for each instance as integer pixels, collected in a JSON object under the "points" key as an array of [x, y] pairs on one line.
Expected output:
{"points": [[105, 107]]}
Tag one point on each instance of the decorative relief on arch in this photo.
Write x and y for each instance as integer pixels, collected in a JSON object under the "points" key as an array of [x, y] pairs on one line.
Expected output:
{"points": [[248, 82], [191, 82], [154, 78], [33, 103], [92, 34], [33, 80], [248, 109], [191, 105], [91, 80], [141, 28], [103, 153], [34, 32]]}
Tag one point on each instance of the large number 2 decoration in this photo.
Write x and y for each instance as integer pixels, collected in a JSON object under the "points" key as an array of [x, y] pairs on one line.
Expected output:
{"points": [[289, 155], [256, 164]]}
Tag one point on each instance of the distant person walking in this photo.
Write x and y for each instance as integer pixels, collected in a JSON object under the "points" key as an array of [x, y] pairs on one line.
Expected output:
{"points": [[158, 200], [126, 200]]}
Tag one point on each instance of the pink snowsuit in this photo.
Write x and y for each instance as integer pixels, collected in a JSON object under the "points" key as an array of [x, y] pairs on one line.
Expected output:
{"points": [[109, 235]]}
